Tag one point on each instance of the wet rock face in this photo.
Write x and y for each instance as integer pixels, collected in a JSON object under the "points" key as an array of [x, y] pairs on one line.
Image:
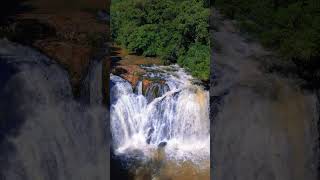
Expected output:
{"points": [[162, 144], [263, 126], [154, 90], [48, 135]]}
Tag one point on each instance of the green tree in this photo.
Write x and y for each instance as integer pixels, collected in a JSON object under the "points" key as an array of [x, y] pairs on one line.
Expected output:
{"points": [[197, 60]]}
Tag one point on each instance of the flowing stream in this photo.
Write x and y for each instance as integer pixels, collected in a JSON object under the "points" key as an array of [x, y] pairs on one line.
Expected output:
{"points": [[172, 113]]}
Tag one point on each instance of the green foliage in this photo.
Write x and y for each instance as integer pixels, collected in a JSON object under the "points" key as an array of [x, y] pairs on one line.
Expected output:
{"points": [[164, 28], [197, 60], [291, 27]]}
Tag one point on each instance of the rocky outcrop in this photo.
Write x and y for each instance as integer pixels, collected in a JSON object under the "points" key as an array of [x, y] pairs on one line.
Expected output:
{"points": [[131, 73], [128, 66], [45, 132], [264, 126]]}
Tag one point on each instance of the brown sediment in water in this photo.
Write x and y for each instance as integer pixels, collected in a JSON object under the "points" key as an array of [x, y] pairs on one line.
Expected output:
{"points": [[201, 97], [173, 170], [161, 168]]}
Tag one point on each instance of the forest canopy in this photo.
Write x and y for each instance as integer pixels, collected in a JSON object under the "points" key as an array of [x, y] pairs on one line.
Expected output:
{"points": [[176, 31]]}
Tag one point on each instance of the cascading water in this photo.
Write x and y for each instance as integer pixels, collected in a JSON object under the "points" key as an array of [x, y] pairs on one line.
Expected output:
{"points": [[172, 114]]}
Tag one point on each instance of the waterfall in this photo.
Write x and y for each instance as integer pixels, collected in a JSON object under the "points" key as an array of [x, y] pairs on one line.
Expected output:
{"points": [[176, 117]]}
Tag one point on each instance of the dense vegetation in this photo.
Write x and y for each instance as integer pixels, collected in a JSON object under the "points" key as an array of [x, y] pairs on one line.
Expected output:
{"points": [[292, 27], [176, 31]]}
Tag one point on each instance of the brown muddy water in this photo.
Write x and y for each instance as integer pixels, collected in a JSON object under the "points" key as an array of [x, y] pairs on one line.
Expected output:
{"points": [[160, 168]]}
